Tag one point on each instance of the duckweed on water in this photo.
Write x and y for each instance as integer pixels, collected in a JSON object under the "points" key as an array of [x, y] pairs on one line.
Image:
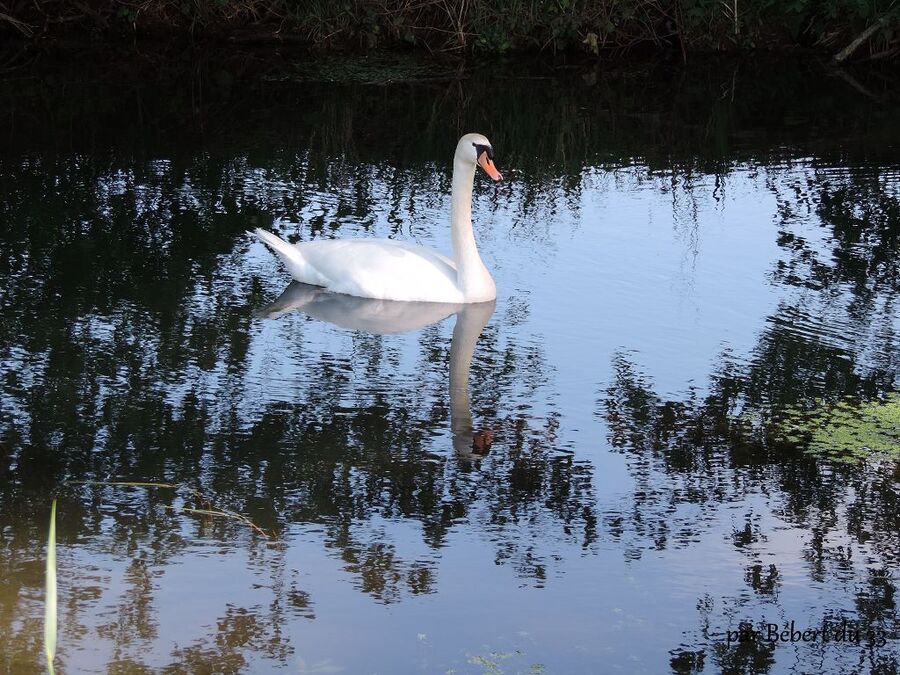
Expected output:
{"points": [[845, 431], [491, 663]]}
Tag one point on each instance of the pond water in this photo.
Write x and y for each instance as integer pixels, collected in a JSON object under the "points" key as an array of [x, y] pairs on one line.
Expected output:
{"points": [[679, 254]]}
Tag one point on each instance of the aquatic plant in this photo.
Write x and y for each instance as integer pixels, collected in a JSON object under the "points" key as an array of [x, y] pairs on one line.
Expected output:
{"points": [[204, 508], [492, 663], [50, 593], [845, 431]]}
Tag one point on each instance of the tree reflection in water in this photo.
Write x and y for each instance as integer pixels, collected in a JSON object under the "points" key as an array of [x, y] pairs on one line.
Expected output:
{"points": [[129, 349], [834, 336]]}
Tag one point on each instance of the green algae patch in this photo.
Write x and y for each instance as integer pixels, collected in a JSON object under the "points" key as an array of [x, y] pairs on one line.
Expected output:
{"points": [[845, 431]]}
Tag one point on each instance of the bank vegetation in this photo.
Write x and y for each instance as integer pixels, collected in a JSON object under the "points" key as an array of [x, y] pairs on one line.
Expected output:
{"points": [[861, 29]]}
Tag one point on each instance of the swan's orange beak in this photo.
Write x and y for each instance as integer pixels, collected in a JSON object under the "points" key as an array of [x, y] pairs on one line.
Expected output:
{"points": [[487, 164]]}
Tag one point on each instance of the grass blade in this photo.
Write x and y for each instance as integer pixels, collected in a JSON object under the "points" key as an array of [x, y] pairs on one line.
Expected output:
{"points": [[211, 511], [50, 593]]}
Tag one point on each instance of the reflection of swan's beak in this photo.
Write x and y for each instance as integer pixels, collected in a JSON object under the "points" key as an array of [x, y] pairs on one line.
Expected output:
{"points": [[487, 164], [482, 441]]}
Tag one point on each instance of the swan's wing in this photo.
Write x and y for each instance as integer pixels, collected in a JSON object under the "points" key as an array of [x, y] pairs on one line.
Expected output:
{"points": [[382, 268]]}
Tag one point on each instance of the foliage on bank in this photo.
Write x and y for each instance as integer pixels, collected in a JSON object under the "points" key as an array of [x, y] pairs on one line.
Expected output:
{"points": [[870, 28]]}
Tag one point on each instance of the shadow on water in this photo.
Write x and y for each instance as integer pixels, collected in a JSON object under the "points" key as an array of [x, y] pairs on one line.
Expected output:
{"points": [[133, 345]]}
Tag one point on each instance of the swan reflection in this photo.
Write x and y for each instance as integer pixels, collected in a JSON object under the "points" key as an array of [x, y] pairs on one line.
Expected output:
{"points": [[384, 317]]}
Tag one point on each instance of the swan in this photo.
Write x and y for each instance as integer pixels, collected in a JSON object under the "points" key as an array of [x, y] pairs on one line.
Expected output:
{"points": [[385, 269]]}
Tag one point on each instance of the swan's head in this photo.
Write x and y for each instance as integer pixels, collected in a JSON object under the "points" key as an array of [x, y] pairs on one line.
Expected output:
{"points": [[476, 149]]}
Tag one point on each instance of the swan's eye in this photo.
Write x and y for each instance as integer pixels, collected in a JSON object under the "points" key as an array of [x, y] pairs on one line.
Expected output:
{"points": [[480, 148]]}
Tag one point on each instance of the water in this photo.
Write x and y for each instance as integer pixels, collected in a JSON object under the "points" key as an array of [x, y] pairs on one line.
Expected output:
{"points": [[676, 253]]}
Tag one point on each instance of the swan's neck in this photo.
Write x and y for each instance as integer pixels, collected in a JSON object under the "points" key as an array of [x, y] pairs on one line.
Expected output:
{"points": [[472, 276]]}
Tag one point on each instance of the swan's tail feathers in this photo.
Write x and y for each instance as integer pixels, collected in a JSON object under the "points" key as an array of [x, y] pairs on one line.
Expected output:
{"points": [[289, 254]]}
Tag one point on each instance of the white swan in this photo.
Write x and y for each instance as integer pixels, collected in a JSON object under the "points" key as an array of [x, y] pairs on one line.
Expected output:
{"points": [[394, 270]]}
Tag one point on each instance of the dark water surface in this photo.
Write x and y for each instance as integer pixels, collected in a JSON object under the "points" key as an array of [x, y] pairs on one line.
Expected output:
{"points": [[677, 252]]}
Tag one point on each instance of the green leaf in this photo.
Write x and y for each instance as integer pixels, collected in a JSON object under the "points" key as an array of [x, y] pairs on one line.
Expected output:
{"points": [[50, 593]]}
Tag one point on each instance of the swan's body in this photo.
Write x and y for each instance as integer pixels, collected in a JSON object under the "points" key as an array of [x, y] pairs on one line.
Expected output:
{"points": [[394, 270], [370, 268]]}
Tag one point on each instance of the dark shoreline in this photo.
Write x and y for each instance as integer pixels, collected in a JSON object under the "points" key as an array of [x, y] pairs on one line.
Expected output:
{"points": [[677, 29]]}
